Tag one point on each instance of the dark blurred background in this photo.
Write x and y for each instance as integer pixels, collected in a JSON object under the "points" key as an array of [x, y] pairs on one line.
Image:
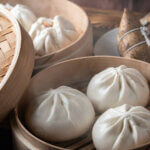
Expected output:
{"points": [[136, 5]]}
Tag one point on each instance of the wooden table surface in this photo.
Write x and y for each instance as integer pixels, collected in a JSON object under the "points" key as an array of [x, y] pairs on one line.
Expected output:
{"points": [[104, 20]]}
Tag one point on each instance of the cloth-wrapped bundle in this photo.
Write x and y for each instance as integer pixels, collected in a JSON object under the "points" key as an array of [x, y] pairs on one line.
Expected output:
{"points": [[131, 42]]}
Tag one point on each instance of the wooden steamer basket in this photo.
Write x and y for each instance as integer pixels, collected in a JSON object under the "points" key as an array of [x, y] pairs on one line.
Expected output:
{"points": [[49, 8], [16, 56], [75, 73]]}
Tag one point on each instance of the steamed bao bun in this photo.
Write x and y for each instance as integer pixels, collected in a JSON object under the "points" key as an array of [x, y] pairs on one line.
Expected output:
{"points": [[117, 86], [122, 128], [22, 13], [60, 114], [49, 35]]}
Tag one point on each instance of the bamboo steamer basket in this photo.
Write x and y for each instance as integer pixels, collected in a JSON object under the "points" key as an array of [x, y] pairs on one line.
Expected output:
{"points": [[18, 59], [82, 46], [75, 73]]}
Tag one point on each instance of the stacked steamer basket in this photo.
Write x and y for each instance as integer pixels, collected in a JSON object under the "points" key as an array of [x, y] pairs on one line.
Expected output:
{"points": [[84, 69], [82, 46], [16, 62]]}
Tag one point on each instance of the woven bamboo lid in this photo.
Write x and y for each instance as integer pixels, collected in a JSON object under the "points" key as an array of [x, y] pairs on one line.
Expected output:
{"points": [[7, 45]]}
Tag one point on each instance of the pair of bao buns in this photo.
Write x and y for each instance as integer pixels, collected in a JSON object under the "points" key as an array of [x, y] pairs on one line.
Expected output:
{"points": [[130, 22], [65, 113], [48, 34]]}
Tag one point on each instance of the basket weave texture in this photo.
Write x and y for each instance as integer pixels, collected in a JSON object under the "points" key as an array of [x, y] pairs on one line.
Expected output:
{"points": [[7, 45]]}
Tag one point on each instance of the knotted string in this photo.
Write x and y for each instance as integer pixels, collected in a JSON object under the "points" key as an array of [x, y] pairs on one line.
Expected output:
{"points": [[145, 32]]}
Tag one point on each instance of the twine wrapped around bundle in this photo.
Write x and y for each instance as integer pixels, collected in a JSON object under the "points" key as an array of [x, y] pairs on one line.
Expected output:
{"points": [[144, 31], [7, 45], [132, 42]]}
